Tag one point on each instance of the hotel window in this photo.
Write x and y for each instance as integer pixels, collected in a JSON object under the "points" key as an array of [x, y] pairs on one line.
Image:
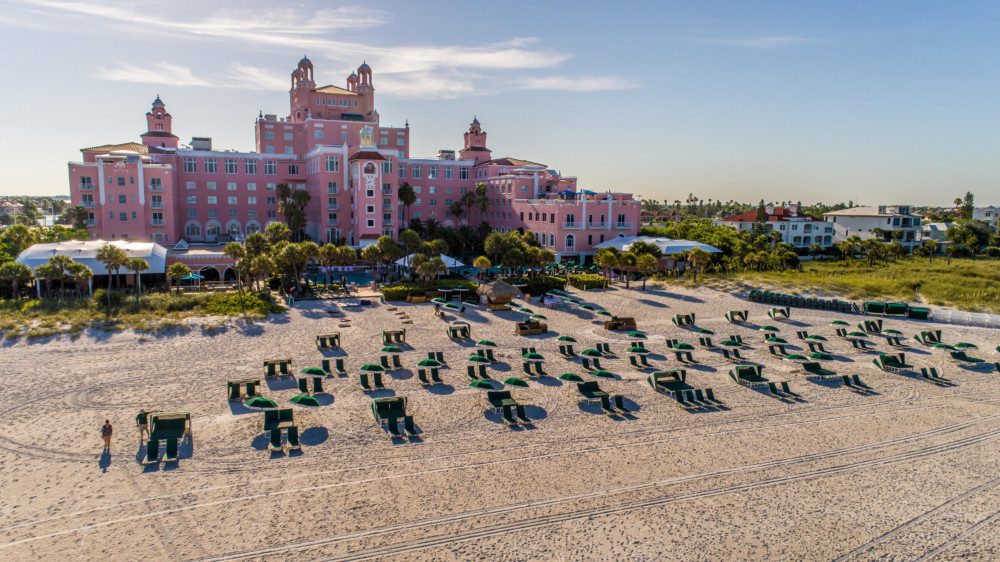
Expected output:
{"points": [[387, 167], [402, 170], [370, 223], [231, 186], [434, 201], [211, 185], [331, 187], [331, 216], [123, 217], [122, 199], [190, 165], [251, 186], [370, 209], [121, 181], [448, 202], [416, 202], [417, 172], [271, 186], [416, 214], [213, 213], [318, 134], [250, 166], [233, 213], [432, 190], [232, 199], [383, 140], [212, 200], [272, 201], [463, 173], [293, 169], [270, 168], [192, 213], [232, 166], [432, 172], [449, 172], [268, 135], [369, 193], [111, 215], [131, 180], [400, 141], [192, 199], [416, 189], [332, 164], [268, 150], [272, 214], [211, 165], [289, 150], [252, 213], [252, 200], [289, 136]]}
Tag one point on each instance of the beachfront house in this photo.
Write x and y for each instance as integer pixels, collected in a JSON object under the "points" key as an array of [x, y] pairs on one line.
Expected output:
{"points": [[796, 229], [886, 222]]}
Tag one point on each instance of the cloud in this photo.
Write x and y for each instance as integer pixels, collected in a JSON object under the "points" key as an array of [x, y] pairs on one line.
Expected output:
{"points": [[576, 83], [256, 78], [156, 73], [767, 42]]}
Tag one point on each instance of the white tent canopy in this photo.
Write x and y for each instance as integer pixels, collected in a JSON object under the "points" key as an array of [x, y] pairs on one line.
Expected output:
{"points": [[667, 245], [85, 252], [449, 261]]}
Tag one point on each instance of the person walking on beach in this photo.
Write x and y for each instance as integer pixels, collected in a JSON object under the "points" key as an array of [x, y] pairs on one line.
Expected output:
{"points": [[106, 434]]}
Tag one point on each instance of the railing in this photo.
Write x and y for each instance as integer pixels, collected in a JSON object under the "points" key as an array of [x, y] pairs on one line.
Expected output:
{"points": [[597, 225], [159, 222], [156, 205], [332, 207], [89, 222], [387, 191], [155, 187], [572, 225], [86, 186], [87, 204], [625, 225]]}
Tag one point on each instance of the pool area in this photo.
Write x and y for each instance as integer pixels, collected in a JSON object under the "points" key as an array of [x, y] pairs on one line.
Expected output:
{"points": [[360, 278]]}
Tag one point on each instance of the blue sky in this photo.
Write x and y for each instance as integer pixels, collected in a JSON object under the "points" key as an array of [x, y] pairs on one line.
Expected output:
{"points": [[811, 101]]}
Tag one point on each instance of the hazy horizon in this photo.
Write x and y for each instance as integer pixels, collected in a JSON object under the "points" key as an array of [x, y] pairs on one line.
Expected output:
{"points": [[887, 103]]}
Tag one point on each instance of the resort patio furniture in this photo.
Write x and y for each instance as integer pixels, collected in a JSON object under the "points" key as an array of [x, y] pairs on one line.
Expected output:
{"points": [[274, 443], [278, 419], [892, 362], [338, 363], [639, 361], [705, 341], [293, 439], [620, 324], [171, 453], [167, 425], [396, 364], [476, 372], [532, 368], [737, 316], [277, 367], [459, 330], [859, 344], [732, 355], [371, 384], [782, 311], [566, 350], [393, 336], [871, 326], [777, 349], [242, 388], [591, 363], [748, 375], [527, 350], [683, 356], [317, 385], [842, 332], [388, 411], [436, 355], [918, 313], [816, 346], [931, 374], [928, 337], [152, 452], [605, 348], [962, 357], [682, 320], [329, 341], [816, 370], [854, 383]]}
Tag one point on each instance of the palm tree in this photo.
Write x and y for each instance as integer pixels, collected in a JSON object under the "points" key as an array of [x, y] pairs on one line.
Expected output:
{"points": [[327, 259], [457, 210], [60, 264], [277, 232], [627, 261], [482, 263], [482, 199], [80, 274], [607, 260], [410, 241], [14, 275], [407, 197], [699, 261], [114, 259], [77, 215], [646, 264], [176, 271], [48, 273], [292, 205], [137, 266]]}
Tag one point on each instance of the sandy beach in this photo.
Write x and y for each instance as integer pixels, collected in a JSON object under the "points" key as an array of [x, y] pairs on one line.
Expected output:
{"points": [[911, 471]]}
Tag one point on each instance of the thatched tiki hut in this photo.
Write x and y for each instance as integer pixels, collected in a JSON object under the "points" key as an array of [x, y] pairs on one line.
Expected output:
{"points": [[498, 294]]}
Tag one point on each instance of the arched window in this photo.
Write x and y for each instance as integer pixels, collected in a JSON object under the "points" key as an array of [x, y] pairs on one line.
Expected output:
{"points": [[570, 242], [552, 240], [192, 230], [233, 229], [369, 168]]}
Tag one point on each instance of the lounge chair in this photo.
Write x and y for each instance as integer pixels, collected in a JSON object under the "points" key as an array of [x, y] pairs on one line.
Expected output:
{"points": [[392, 426], [961, 356], [293, 439], [732, 355], [409, 426], [474, 374], [634, 361], [788, 391], [339, 364], [861, 385], [152, 451], [521, 414], [684, 356], [304, 385], [605, 347], [737, 316], [928, 337], [375, 381], [318, 385], [892, 362], [815, 369], [171, 454], [566, 350], [395, 362], [705, 341], [275, 442], [527, 350], [508, 415], [384, 361], [682, 401], [777, 349], [436, 355], [842, 332], [816, 347], [422, 377], [777, 311], [931, 374], [329, 341], [710, 396], [859, 344], [737, 338], [591, 364], [235, 393]]}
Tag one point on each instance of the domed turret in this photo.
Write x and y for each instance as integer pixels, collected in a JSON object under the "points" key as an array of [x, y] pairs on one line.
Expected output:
{"points": [[352, 82], [158, 102]]}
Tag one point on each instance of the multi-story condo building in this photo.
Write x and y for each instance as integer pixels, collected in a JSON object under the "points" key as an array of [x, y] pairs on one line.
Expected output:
{"points": [[990, 215], [889, 222], [800, 231], [333, 145]]}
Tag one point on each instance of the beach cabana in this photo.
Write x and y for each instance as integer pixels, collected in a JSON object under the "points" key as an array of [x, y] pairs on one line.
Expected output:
{"points": [[498, 294]]}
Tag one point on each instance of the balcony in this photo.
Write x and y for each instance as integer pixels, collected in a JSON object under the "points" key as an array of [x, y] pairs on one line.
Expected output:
{"points": [[332, 207], [90, 222], [386, 191], [624, 226], [155, 187], [597, 225], [572, 225], [87, 204], [156, 205], [85, 186], [159, 222]]}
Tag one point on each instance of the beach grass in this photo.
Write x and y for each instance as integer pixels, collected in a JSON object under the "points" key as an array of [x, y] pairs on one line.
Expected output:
{"points": [[966, 284]]}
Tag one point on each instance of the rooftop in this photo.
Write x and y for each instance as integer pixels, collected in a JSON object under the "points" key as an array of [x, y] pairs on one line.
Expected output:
{"points": [[133, 146], [331, 89], [778, 214], [881, 211]]}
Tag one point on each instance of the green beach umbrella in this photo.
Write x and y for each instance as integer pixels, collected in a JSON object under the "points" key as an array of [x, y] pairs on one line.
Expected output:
{"points": [[944, 346], [569, 339], [795, 357], [391, 349], [428, 363], [730, 343], [820, 356], [525, 310], [857, 335], [372, 368], [815, 338], [480, 384], [514, 381], [604, 313], [591, 352], [486, 343], [477, 359], [705, 331], [637, 335], [839, 323], [775, 339], [769, 328], [533, 357], [571, 377], [314, 371], [438, 300], [260, 402], [682, 346], [539, 317], [896, 333], [589, 307], [638, 349], [966, 345], [601, 373], [451, 306], [304, 400]]}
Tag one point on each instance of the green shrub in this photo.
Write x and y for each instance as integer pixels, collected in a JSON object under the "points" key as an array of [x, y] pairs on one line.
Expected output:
{"points": [[231, 304], [101, 297], [538, 284], [402, 289], [991, 251], [587, 281]]}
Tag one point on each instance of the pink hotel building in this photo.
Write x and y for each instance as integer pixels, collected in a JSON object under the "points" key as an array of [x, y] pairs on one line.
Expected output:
{"points": [[332, 145]]}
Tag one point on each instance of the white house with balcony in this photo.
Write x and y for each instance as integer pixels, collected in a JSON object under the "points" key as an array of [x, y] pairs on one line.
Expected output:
{"points": [[990, 215], [797, 230], [887, 222]]}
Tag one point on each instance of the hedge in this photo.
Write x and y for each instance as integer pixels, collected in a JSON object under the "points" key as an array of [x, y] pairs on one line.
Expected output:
{"points": [[538, 284], [399, 291], [587, 281]]}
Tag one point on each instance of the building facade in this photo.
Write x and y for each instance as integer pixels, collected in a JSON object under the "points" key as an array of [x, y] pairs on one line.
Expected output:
{"points": [[333, 145], [799, 231], [990, 215], [888, 222]]}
